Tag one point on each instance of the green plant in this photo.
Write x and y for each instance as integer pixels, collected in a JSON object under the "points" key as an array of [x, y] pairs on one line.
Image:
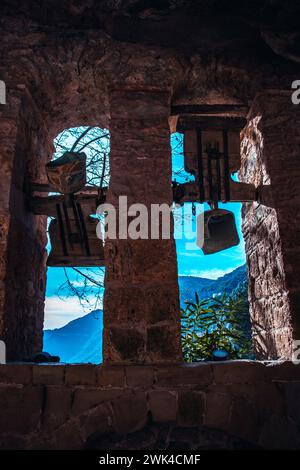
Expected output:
{"points": [[219, 323]]}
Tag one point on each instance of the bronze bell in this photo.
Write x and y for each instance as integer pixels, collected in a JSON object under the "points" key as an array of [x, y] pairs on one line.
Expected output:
{"points": [[220, 231], [67, 174]]}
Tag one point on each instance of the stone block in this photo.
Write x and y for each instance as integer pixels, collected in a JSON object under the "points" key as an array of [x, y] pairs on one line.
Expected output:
{"points": [[190, 408], [163, 344], [266, 396], [163, 406], [57, 407], [87, 398], [111, 376], [97, 422], [125, 345], [239, 372], [20, 408], [130, 411], [217, 410], [184, 375], [16, 373], [282, 371], [139, 376], [292, 399], [245, 420], [147, 105], [48, 374], [150, 304], [83, 374]]}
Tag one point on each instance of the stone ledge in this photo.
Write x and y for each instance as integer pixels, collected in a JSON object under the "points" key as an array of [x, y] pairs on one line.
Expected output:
{"points": [[48, 375], [81, 374], [147, 376], [239, 372], [183, 374], [16, 373]]}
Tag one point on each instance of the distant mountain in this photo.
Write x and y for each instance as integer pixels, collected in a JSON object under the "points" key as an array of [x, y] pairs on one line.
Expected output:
{"points": [[81, 339], [207, 288], [78, 341]]}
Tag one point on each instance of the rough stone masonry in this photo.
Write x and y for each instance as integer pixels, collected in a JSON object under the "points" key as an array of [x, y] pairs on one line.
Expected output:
{"points": [[127, 66]]}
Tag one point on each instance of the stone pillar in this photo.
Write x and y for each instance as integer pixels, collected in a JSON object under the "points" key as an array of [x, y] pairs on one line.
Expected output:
{"points": [[23, 154], [8, 139], [142, 316], [271, 157]]}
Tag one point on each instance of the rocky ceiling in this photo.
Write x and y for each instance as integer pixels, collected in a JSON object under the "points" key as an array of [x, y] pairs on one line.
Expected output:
{"points": [[262, 27]]}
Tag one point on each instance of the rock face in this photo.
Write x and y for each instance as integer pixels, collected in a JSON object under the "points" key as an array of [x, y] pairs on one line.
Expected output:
{"points": [[208, 26], [271, 231]]}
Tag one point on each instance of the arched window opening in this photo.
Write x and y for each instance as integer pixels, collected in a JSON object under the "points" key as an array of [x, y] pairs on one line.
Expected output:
{"points": [[213, 288], [73, 319]]}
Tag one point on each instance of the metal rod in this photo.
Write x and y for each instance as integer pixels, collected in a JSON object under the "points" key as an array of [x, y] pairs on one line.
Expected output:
{"points": [[216, 109], [209, 172], [200, 166], [226, 166], [77, 219], [68, 224], [61, 230], [218, 170], [84, 232]]}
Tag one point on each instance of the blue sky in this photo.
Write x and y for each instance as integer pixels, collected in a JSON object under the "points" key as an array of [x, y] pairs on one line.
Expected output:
{"points": [[60, 308], [194, 262]]}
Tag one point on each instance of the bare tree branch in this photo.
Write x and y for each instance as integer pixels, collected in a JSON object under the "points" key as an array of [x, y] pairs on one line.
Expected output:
{"points": [[88, 287]]}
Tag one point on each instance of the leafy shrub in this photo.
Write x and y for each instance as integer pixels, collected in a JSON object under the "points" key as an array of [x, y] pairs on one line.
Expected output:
{"points": [[219, 323]]}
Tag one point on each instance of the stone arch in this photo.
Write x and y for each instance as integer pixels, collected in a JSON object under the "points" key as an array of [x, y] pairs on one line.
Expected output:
{"points": [[34, 115]]}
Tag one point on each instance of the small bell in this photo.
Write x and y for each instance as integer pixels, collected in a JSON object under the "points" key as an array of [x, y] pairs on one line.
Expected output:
{"points": [[220, 231], [67, 174]]}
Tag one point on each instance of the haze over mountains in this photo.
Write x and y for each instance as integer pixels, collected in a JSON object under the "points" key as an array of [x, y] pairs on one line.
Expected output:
{"points": [[81, 339], [207, 288]]}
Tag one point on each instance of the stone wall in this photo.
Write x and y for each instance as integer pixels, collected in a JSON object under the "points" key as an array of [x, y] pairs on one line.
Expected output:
{"points": [[26, 150], [238, 404], [270, 160], [58, 77]]}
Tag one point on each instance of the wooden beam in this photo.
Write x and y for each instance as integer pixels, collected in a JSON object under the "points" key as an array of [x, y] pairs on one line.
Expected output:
{"points": [[40, 205], [192, 121], [215, 109], [76, 261], [239, 192], [45, 188]]}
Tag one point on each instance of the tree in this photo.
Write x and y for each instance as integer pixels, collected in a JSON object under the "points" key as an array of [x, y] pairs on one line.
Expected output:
{"points": [[222, 322], [86, 283], [96, 145]]}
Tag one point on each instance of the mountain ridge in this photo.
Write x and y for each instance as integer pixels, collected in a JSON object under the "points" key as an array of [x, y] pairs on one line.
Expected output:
{"points": [[80, 340]]}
